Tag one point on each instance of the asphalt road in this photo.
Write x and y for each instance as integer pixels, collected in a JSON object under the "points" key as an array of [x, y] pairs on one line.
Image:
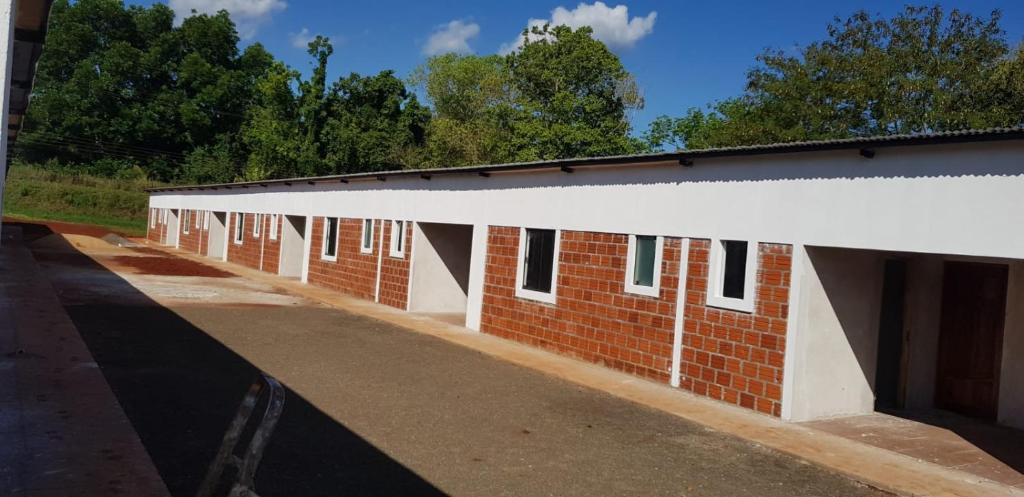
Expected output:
{"points": [[374, 409]]}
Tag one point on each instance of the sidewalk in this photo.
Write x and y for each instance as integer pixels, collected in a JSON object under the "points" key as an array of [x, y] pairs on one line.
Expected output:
{"points": [[873, 466], [63, 431]]}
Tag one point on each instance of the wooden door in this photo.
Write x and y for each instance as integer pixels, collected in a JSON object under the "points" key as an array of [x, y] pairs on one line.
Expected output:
{"points": [[971, 338]]}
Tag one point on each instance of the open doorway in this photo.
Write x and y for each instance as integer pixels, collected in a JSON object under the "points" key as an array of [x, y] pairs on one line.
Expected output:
{"points": [[440, 274], [293, 243], [218, 236], [173, 227]]}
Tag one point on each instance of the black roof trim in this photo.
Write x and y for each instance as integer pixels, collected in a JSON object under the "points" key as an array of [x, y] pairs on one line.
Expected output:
{"points": [[686, 157]]}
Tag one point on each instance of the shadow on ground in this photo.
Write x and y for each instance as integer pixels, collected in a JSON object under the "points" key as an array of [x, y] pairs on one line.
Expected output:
{"points": [[180, 388]]}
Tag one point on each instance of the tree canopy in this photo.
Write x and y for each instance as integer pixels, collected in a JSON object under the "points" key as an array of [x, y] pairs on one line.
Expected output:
{"points": [[121, 91], [923, 70]]}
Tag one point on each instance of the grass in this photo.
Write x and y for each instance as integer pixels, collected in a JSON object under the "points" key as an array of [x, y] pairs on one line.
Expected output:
{"points": [[35, 193]]}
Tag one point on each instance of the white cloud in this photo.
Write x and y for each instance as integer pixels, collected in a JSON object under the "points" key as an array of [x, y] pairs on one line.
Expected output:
{"points": [[301, 39], [451, 37], [611, 25], [247, 14]]}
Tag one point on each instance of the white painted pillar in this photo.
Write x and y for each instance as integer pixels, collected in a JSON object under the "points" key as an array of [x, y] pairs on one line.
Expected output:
{"points": [[477, 265], [793, 330], [677, 337], [7, 54], [307, 245]]}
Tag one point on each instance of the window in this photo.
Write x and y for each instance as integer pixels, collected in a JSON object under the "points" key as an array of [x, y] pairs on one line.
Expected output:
{"points": [[184, 225], [152, 218], [273, 227], [643, 265], [239, 227], [733, 269], [397, 238], [366, 246], [257, 223], [329, 248], [206, 220], [163, 216], [198, 216], [538, 264]]}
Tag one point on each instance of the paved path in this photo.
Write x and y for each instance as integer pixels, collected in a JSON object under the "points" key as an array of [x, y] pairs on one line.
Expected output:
{"points": [[62, 432], [374, 409]]}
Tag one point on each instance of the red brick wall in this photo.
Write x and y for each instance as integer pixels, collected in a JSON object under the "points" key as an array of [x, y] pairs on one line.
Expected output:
{"points": [[354, 273], [394, 271], [153, 231], [736, 356], [248, 252], [271, 248], [594, 318], [190, 242]]}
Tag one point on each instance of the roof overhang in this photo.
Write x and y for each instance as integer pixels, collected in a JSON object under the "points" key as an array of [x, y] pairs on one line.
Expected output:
{"points": [[30, 23]]}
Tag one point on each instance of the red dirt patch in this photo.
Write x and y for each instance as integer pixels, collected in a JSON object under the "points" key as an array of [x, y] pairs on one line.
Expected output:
{"points": [[149, 251], [168, 266]]}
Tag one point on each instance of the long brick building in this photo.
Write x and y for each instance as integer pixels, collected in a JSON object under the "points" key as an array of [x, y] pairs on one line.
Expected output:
{"points": [[802, 280]]}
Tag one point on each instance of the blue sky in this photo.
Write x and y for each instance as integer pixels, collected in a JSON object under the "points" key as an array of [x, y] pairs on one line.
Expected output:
{"points": [[687, 54]]}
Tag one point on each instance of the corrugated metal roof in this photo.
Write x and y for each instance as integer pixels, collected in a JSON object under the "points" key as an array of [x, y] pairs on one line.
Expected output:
{"points": [[30, 22], [686, 157]]}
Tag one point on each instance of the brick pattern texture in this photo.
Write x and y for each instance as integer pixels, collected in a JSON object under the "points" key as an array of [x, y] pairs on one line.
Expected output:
{"points": [[394, 271], [154, 230], [271, 246], [354, 273], [197, 239], [246, 253], [594, 319], [734, 356]]}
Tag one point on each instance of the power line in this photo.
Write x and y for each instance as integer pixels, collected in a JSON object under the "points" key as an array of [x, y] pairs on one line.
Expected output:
{"points": [[30, 135]]}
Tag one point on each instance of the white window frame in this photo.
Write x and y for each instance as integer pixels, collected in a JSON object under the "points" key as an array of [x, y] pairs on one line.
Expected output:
{"points": [[659, 249], [153, 214], [523, 293], [198, 218], [206, 220], [396, 249], [184, 225], [717, 272], [257, 224], [337, 239], [238, 235], [273, 227], [163, 216], [362, 237]]}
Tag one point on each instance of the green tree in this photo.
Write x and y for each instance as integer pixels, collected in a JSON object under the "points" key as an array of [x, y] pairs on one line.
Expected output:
{"points": [[920, 71], [572, 96], [472, 98], [124, 85]]}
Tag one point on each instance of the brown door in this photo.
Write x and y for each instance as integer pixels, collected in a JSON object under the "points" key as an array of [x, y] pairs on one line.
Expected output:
{"points": [[971, 338]]}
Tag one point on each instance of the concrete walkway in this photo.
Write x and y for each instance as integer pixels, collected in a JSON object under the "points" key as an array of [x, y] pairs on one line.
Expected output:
{"points": [[871, 465], [63, 432]]}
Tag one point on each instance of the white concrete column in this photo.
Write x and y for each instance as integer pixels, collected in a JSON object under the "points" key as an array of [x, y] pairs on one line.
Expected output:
{"points": [[680, 320], [477, 265], [7, 54], [794, 341], [307, 245]]}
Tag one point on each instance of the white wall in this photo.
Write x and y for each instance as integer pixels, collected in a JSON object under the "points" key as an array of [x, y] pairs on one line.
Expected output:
{"points": [[835, 350], [1011, 377], [906, 199], [440, 271], [6, 57], [292, 245]]}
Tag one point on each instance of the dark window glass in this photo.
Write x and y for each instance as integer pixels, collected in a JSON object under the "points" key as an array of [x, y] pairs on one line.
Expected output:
{"points": [[368, 233], [540, 254], [643, 261], [239, 226], [735, 272], [331, 237], [399, 236]]}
